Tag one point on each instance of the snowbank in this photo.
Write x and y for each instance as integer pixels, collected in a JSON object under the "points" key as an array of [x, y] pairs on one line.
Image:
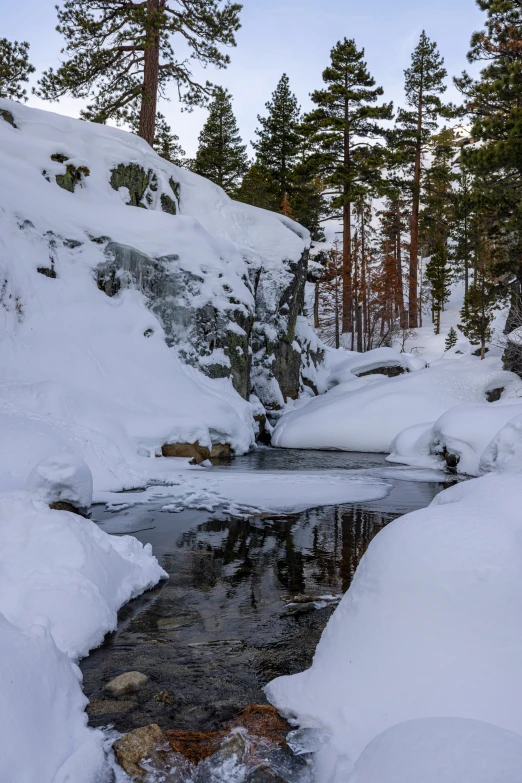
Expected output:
{"points": [[367, 414], [344, 367], [62, 478], [482, 438], [62, 581], [42, 720], [429, 627], [441, 750]]}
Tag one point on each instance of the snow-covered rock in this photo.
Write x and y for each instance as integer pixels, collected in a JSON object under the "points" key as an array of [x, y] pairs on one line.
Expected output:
{"points": [[62, 478], [430, 627], [367, 414], [61, 570], [441, 750]]}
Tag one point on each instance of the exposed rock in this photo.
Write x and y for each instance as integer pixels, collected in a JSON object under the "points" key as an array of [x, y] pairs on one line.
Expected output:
{"points": [[61, 505], [221, 451], [109, 706], [8, 117], [73, 175], [137, 181], [193, 450], [138, 745], [168, 204], [126, 683], [452, 460], [493, 395], [195, 745], [391, 371]]}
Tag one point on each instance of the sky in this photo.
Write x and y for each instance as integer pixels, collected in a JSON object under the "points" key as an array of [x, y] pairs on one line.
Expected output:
{"points": [[285, 36]]}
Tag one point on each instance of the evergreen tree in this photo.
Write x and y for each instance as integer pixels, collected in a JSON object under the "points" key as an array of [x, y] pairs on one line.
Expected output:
{"points": [[424, 83], [464, 224], [165, 143], [15, 69], [494, 103], [345, 120], [436, 219], [279, 141], [221, 156], [451, 339], [120, 54], [331, 297], [257, 188], [482, 299]]}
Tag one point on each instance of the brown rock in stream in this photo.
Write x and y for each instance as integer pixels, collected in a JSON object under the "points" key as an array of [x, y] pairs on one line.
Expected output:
{"points": [[192, 450], [138, 745]]}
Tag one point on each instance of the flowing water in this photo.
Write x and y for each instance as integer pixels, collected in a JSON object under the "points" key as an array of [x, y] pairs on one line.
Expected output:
{"points": [[223, 625]]}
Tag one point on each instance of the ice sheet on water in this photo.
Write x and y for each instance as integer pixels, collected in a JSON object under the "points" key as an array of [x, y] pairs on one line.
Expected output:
{"points": [[303, 741]]}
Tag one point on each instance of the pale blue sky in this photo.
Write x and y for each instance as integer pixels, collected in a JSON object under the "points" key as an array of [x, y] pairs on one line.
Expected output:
{"points": [[292, 36]]}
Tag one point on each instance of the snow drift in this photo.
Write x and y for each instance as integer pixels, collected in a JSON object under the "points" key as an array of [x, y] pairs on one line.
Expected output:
{"points": [[429, 627], [367, 414]]}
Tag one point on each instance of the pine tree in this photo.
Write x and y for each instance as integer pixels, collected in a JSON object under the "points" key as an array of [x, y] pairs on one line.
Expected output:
{"points": [[165, 143], [493, 101], [120, 54], [424, 83], [221, 156], [464, 224], [15, 69], [257, 188], [437, 217], [483, 298], [286, 208], [279, 141], [331, 297], [451, 339], [345, 120]]}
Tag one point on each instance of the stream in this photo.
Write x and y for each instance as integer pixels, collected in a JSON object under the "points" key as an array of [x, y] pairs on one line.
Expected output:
{"points": [[224, 625]]}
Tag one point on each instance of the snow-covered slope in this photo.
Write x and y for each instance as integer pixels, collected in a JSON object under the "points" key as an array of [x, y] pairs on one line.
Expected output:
{"points": [[92, 288]]}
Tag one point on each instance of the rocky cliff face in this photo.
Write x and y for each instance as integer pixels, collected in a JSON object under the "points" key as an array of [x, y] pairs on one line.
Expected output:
{"points": [[96, 213]]}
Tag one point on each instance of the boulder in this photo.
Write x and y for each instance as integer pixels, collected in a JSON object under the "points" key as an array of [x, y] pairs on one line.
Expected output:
{"points": [[126, 683], [221, 451], [64, 481], [138, 745], [193, 451]]}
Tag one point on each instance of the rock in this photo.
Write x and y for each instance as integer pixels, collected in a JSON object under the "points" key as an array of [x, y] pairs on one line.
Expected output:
{"points": [[195, 451], [221, 451], [391, 371], [452, 460], [64, 481], [109, 706], [493, 395], [127, 683], [138, 745], [195, 745], [8, 117]]}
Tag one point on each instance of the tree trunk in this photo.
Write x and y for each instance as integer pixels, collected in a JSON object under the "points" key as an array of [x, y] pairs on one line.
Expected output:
{"points": [[413, 303], [149, 98], [316, 307], [400, 289], [347, 233]]}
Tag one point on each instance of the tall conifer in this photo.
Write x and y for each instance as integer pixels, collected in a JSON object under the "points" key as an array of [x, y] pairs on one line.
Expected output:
{"points": [[424, 84], [345, 121], [120, 54], [221, 156], [278, 141]]}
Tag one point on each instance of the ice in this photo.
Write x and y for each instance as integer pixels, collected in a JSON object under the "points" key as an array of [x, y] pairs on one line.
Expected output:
{"points": [[303, 741]]}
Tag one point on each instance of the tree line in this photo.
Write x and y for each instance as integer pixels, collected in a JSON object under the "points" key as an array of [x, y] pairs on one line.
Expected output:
{"points": [[425, 194]]}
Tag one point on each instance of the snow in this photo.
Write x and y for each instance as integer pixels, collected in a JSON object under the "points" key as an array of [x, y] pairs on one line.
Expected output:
{"points": [[441, 750], [367, 414], [62, 478], [253, 492], [468, 432], [429, 627], [42, 720], [345, 367]]}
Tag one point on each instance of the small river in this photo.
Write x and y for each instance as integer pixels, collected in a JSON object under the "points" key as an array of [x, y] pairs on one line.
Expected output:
{"points": [[220, 628]]}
